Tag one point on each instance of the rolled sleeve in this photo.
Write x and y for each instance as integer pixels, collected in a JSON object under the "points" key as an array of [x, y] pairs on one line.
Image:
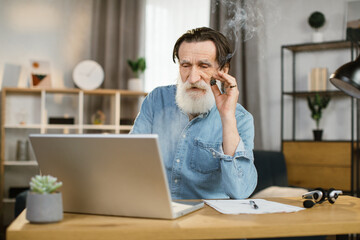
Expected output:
{"points": [[238, 172]]}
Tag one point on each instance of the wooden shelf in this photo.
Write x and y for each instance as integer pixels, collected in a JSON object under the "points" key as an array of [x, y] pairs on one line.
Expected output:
{"points": [[99, 127], [22, 126], [20, 163], [331, 93], [311, 164], [307, 47], [9, 200], [74, 91], [315, 164], [36, 104]]}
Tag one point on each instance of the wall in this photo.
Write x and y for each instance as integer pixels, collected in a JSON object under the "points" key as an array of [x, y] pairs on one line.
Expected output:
{"points": [[56, 31], [286, 23]]}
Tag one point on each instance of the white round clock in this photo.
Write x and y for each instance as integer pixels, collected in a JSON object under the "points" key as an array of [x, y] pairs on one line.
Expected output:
{"points": [[88, 75]]}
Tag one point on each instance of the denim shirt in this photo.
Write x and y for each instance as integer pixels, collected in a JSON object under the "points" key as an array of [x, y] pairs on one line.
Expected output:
{"points": [[195, 163]]}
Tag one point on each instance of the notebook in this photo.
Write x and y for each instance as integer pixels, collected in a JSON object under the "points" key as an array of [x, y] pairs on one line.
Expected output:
{"points": [[109, 174]]}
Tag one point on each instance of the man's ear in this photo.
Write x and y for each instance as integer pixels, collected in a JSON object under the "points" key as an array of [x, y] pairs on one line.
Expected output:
{"points": [[226, 68]]}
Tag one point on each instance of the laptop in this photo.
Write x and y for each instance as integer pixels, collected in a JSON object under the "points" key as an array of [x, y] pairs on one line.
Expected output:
{"points": [[109, 174]]}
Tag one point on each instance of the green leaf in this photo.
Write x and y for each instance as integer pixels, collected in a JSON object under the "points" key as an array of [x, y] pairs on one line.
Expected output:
{"points": [[137, 66], [44, 184], [316, 105]]}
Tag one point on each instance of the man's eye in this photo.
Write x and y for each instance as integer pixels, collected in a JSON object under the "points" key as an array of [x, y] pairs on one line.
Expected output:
{"points": [[185, 65], [204, 66]]}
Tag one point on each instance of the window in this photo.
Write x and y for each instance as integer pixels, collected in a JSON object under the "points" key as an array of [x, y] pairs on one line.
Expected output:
{"points": [[165, 22]]}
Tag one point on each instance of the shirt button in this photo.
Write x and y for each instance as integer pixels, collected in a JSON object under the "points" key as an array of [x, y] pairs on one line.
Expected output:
{"points": [[175, 180], [184, 136], [213, 153], [177, 160]]}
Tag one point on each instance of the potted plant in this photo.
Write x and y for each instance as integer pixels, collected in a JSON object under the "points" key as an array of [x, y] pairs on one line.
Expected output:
{"points": [[137, 67], [43, 202], [316, 105], [316, 20]]}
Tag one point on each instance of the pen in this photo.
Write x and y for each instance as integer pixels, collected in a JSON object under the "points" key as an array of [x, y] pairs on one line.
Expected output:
{"points": [[253, 204]]}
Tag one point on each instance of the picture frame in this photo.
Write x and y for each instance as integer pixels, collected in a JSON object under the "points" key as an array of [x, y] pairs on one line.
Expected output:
{"points": [[40, 76], [352, 21]]}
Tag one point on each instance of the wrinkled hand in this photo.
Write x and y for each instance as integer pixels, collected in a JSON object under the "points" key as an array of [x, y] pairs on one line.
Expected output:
{"points": [[226, 103]]}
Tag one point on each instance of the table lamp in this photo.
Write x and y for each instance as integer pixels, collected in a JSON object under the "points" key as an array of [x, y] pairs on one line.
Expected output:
{"points": [[347, 79]]}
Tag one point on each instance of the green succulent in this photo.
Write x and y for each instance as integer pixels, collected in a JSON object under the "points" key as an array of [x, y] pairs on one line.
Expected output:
{"points": [[316, 105], [138, 66], [44, 184], [316, 20]]}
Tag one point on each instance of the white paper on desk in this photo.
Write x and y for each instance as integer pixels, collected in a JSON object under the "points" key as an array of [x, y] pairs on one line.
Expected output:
{"points": [[244, 207]]}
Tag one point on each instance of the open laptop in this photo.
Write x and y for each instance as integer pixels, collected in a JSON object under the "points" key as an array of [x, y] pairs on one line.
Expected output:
{"points": [[109, 174]]}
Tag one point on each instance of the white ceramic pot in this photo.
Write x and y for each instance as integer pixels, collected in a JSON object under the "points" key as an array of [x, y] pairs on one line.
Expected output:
{"points": [[44, 208], [135, 84], [317, 37]]}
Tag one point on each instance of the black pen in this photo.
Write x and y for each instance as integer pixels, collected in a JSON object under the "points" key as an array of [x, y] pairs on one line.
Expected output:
{"points": [[253, 204]]}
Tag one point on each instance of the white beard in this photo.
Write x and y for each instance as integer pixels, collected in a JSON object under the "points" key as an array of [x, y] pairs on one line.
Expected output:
{"points": [[194, 103]]}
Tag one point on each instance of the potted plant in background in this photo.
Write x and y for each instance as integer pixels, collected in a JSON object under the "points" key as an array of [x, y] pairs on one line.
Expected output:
{"points": [[137, 67], [316, 105], [316, 20], [43, 202]]}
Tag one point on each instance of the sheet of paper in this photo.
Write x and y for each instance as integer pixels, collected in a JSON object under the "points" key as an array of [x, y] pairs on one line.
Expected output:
{"points": [[244, 206]]}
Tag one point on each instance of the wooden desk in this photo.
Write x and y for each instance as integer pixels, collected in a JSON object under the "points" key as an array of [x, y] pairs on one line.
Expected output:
{"points": [[341, 218]]}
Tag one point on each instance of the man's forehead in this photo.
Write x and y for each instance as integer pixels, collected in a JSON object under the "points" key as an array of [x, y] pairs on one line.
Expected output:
{"points": [[204, 51]]}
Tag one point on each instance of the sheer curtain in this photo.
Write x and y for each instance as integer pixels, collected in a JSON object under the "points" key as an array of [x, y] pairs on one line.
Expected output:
{"points": [[165, 22]]}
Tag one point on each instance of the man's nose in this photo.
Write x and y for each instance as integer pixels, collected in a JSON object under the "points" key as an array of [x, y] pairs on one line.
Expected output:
{"points": [[194, 75]]}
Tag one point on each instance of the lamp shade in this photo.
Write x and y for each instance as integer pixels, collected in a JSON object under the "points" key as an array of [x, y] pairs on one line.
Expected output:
{"points": [[347, 78]]}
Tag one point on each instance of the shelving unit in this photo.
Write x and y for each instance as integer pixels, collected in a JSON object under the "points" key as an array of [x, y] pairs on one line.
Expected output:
{"points": [[314, 164], [26, 110]]}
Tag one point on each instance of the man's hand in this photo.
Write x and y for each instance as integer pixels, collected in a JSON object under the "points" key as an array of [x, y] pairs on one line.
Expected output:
{"points": [[226, 105]]}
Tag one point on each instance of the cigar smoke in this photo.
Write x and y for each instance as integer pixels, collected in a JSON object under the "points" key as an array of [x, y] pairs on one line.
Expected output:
{"points": [[243, 20]]}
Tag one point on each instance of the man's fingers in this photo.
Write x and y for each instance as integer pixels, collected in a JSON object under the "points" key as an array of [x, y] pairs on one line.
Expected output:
{"points": [[214, 87]]}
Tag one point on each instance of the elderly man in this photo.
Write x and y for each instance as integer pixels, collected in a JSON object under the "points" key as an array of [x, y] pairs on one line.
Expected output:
{"points": [[206, 137]]}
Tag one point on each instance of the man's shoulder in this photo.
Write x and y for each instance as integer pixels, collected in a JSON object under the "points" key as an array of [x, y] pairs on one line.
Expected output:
{"points": [[169, 89], [241, 112], [162, 94]]}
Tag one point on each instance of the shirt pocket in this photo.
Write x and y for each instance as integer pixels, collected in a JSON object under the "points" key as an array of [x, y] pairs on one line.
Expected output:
{"points": [[203, 158]]}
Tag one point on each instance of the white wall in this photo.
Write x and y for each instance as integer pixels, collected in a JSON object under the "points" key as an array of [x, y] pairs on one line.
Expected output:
{"points": [[286, 23], [52, 30]]}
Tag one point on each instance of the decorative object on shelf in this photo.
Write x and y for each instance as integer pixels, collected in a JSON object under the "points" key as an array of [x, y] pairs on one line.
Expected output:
{"points": [[61, 120], [98, 118], [318, 79], [11, 75], [43, 202], [137, 67], [353, 21], [316, 20], [40, 74], [88, 75], [21, 117], [22, 150], [316, 105]]}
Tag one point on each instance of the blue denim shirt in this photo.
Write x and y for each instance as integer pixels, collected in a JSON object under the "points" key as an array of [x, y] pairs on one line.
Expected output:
{"points": [[195, 163]]}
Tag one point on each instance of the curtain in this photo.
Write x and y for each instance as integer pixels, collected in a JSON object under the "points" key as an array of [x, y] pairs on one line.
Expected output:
{"points": [[236, 20], [117, 35]]}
